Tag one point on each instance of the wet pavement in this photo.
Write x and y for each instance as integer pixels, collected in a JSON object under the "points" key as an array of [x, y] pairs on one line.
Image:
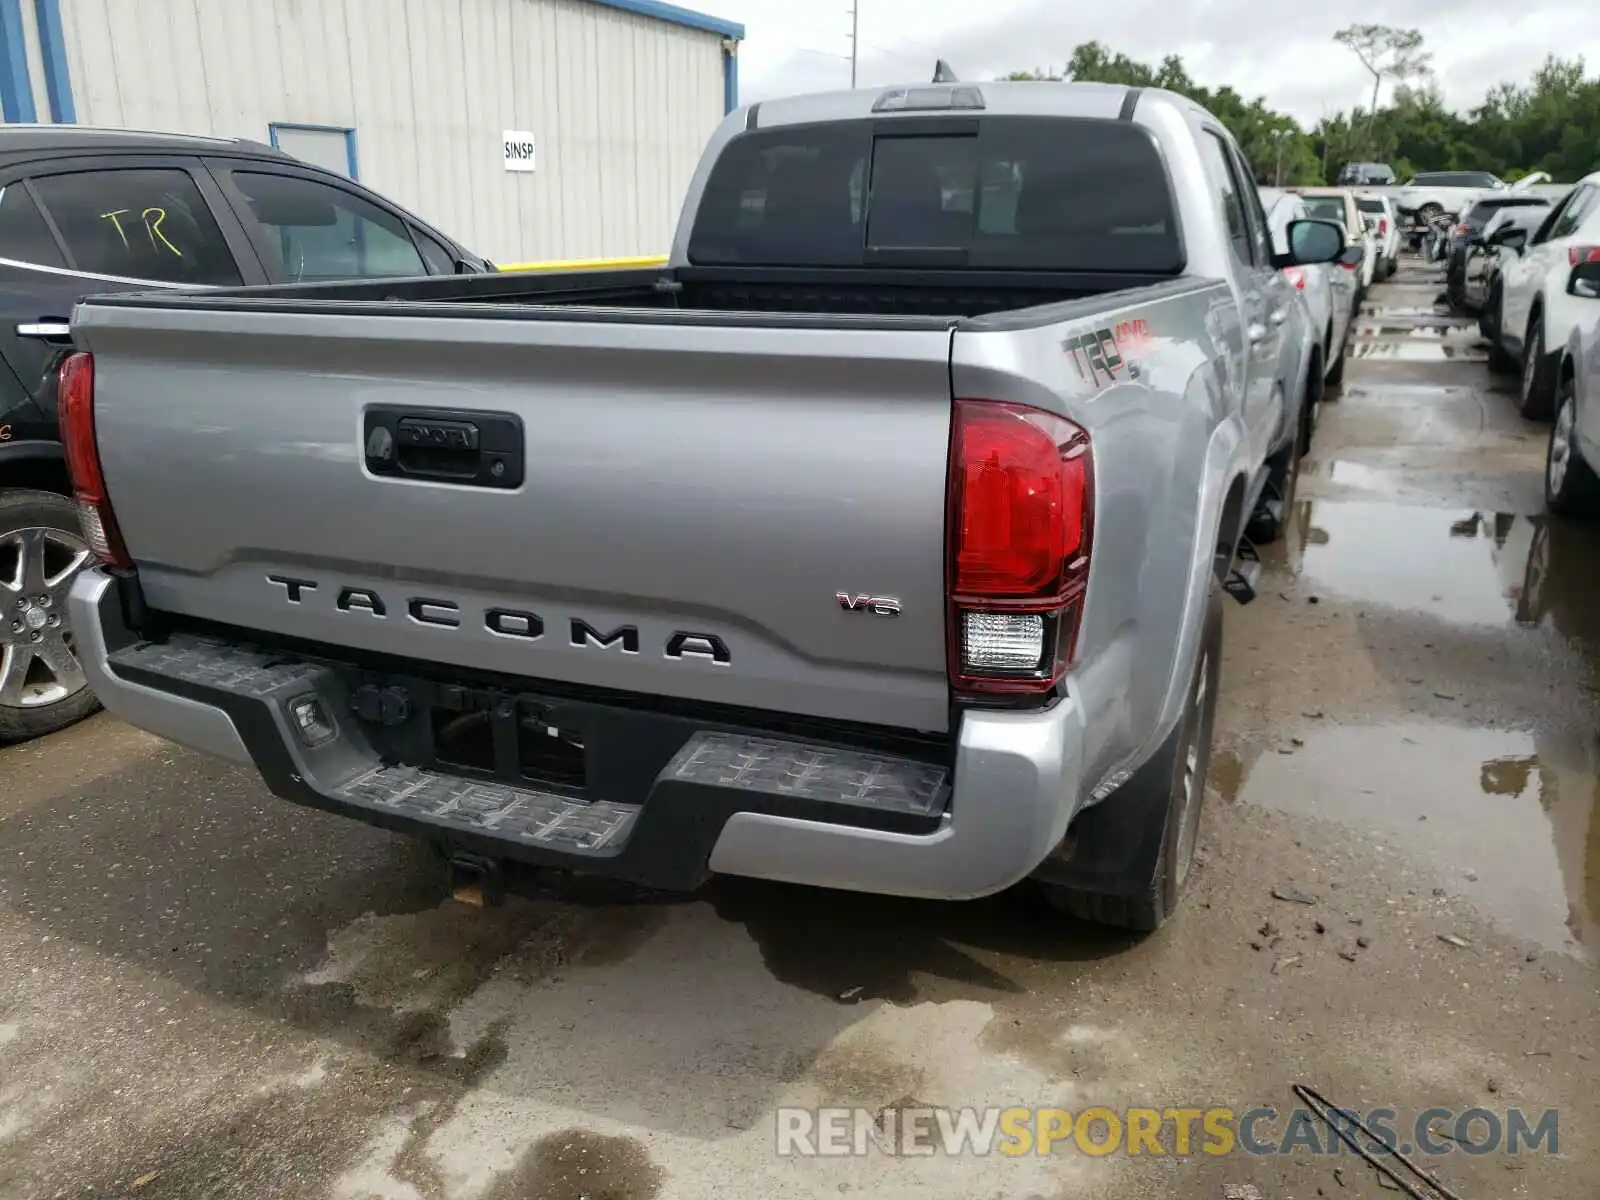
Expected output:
{"points": [[205, 992]]}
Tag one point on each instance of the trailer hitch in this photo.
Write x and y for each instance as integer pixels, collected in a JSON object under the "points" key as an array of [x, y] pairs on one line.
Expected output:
{"points": [[477, 880]]}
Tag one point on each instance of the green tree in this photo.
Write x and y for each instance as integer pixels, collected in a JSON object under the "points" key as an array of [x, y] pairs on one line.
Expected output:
{"points": [[1549, 123]]}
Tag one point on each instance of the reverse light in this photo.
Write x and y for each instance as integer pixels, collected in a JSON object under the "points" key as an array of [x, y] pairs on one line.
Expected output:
{"points": [[1020, 518], [313, 723], [1296, 276], [75, 413]]}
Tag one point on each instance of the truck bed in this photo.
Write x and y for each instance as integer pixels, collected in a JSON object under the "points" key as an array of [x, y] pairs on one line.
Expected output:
{"points": [[739, 295]]}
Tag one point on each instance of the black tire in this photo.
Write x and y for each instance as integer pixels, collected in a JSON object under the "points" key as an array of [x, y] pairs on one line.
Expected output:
{"points": [[1132, 853], [1335, 377], [1310, 410], [1536, 390], [24, 710], [1571, 487], [1501, 361]]}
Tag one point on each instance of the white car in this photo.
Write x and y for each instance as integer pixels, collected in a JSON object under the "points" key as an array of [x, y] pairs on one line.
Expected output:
{"points": [[1547, 293], [1384, 222], [1339, 204], [1329, 289], [1572, 467]]}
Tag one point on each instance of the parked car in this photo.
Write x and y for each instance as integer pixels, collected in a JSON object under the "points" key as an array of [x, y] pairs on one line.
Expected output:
{"points": [[1381, 218], [1365, 174], [1468, 233], [1542, 298], [1329, 291], [1572, 463], [1433, 194], [850, 626], [1339, 204], [1505, 236], [87, 210]]}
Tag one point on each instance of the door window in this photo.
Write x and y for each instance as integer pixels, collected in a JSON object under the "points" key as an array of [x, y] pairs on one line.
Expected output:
{"points": [[1573, 215], [1224, 180], [141, 224], [440, 260], [321, 232], [24, 237]]}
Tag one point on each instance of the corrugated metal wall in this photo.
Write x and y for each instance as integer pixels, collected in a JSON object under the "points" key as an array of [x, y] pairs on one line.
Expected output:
{"points": [[620, 104]]}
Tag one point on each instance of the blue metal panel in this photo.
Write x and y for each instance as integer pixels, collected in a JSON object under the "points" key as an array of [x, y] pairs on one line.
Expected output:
{"points": [[730, 80], [53, 49], [678, 16], [16, 85], [351, 155]]}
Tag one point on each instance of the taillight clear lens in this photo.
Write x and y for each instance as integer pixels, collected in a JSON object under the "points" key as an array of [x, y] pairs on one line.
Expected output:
{"points": [[1021, 483], [1296, 276], [75, 413]]}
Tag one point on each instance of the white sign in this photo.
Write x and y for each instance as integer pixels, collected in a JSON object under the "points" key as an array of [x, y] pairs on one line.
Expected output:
{"points": [[518, 145]]}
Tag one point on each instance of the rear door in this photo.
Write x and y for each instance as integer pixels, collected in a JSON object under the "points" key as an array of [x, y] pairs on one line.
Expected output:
{"points": [[71, 227], [1262, 289], [308, 228], [1525, 275]]}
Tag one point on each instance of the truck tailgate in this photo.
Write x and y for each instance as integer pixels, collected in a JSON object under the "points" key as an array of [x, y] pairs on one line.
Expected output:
{"points": [[695, 495]]}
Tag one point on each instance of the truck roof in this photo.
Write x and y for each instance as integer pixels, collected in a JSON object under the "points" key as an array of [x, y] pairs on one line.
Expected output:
{"points": [[1105, 101], [17, 140]]}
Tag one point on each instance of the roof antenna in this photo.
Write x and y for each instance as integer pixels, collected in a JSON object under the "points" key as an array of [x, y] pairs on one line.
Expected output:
{"points": [[943, 74]]}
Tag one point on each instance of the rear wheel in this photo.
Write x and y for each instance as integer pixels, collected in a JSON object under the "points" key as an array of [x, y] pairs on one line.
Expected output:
{"points": [[1536, 392], [42, 685], [1335, 377], [1500, 361], [1571, 487], [1133, 853]]}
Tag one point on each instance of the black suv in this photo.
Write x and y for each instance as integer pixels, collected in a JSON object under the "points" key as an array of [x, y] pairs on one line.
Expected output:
{"points": [[85, 211]]}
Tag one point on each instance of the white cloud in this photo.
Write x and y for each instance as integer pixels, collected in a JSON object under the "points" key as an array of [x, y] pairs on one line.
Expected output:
{"points": [[1285, 52]]}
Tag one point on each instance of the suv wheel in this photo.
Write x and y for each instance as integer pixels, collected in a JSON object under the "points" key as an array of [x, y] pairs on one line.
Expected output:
{"points": [[1570, 484], [1536, 392], [42, 685], [1132, 854]]}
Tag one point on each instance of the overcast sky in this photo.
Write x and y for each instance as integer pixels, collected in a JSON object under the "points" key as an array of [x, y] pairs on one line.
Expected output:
{"points": [[1276, 48]]}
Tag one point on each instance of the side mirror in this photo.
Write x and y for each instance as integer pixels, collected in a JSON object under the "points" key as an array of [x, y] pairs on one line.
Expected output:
{"points": [[1512, 239], [1351, 256], [1312, 242]]}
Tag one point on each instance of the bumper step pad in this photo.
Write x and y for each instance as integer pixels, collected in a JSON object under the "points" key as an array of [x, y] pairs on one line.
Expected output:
{"points": [[349, 773], [498, 809]]}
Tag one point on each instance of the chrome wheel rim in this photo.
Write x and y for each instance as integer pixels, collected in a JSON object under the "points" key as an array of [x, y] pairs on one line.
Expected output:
{"points": [[1560, 448], [1192, 785], [38, 665]]}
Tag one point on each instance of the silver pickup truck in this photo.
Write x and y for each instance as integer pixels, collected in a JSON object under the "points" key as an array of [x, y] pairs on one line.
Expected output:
{"points": [[877, 542]]}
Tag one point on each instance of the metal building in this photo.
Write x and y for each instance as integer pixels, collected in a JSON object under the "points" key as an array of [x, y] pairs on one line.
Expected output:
{"points": [[527, 129]]}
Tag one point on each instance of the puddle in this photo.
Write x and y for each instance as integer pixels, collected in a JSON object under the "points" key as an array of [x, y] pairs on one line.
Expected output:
{"points": [[1418, 350], [1518, 834], [1405, 310], [1462, 566]]}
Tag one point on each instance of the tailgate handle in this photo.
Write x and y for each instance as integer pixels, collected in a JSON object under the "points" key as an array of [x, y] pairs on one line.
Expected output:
{"points": [[463, 448]]}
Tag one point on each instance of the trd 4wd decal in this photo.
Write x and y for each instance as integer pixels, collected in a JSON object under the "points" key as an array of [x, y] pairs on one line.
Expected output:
{"points": [[1101, 354]]}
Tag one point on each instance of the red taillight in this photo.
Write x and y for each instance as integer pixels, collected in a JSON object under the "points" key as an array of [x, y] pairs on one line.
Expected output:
{"points": [[1462, 230], [1383, 226], [1577, 255], [75, 412], [1020, 518], [1296, 276]]}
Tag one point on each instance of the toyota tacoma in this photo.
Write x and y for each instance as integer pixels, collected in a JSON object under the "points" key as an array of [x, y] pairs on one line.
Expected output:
{"points": [[878, 541]]}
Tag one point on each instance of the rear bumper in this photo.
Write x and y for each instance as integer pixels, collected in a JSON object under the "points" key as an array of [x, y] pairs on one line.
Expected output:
{"points": [[685, 798]]}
